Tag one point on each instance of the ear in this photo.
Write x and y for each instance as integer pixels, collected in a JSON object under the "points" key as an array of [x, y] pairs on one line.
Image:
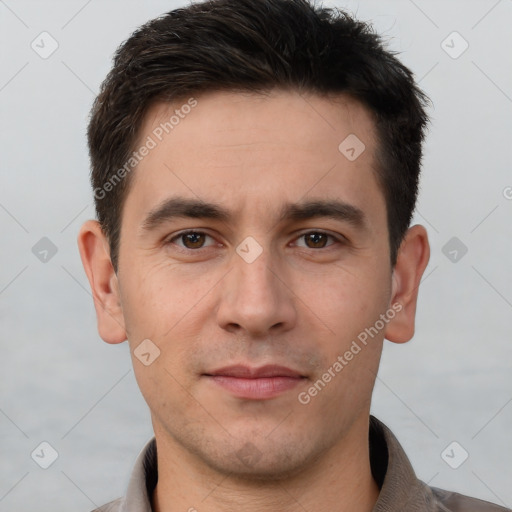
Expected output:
{"points": [[95, 254], [412, 260]]}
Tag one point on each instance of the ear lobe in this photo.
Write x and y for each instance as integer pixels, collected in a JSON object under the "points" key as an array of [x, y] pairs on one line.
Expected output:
{"points": [[412, 259], [95, 255]]}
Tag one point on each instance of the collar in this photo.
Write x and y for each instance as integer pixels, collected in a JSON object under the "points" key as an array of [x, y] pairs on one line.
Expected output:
{"points": [[400, 489]]}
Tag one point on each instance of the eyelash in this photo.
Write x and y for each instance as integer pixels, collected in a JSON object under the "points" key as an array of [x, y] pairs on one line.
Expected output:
{"points": [[339, 240]]}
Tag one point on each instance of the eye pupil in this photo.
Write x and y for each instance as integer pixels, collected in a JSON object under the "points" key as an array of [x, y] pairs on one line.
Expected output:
{"points": [[317, 238], [195, 238]]}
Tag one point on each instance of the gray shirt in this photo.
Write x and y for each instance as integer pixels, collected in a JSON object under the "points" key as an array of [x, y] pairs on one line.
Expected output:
{"points": [[400, 490]]}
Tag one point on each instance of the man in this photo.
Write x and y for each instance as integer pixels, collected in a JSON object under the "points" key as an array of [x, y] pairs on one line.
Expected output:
{"points": [[255, 167]]}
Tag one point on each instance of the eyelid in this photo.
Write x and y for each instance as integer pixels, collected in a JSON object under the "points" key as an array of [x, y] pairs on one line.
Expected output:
{"points": [[186, 232], [337, 237]]}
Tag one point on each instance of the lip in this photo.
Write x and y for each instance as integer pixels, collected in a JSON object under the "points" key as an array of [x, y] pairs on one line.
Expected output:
{"points": [[253, 383], [248, 372]]}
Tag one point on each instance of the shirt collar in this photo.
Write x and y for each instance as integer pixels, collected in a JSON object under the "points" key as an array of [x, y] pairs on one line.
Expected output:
{"points": [[399, 487], [142, 481]]}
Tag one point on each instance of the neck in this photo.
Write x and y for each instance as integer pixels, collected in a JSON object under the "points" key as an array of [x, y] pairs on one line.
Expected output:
{"points": [[339, 480]]}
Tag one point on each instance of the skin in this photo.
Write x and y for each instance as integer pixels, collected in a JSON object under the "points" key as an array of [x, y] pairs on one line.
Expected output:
{"points": [[300, 303]]}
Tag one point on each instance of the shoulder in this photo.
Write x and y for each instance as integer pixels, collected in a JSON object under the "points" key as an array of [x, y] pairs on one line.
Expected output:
{"points": [[112, 506], [455, 502]]}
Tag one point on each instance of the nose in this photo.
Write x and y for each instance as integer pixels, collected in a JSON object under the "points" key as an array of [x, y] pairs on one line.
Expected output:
{"points": [[256, 298]]}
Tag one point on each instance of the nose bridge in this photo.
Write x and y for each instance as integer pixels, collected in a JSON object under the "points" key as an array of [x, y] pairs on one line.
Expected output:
{"points": [[253, 264], [254, 297]]}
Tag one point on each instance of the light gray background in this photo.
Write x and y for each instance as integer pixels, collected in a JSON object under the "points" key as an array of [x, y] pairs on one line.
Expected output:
{"points": [[61, 384]]}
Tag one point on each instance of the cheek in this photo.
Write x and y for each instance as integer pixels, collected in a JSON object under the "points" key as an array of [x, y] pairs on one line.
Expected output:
{"points": [[347, 300], [157, 298], [350, 307]]}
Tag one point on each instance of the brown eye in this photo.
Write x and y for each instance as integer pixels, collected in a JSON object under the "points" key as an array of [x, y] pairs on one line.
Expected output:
{"points": [[193, 240], [316, 239], [190, 240]]}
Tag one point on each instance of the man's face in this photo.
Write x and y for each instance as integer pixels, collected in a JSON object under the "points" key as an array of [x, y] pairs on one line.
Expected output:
{"points": [[256, 288]]}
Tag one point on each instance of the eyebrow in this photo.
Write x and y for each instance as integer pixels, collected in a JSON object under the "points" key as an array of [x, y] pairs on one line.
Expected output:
{"points": [[181, 207]]}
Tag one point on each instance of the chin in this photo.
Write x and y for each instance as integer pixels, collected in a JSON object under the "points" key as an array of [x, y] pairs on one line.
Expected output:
{"points": [[262, 461]]}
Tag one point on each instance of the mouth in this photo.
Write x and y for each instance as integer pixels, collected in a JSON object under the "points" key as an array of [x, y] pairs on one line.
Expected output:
{"points": [[255, 383]]}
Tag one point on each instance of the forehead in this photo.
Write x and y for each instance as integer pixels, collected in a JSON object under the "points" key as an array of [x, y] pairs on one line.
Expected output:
{"points": [[257, 150], [219, 115]]}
